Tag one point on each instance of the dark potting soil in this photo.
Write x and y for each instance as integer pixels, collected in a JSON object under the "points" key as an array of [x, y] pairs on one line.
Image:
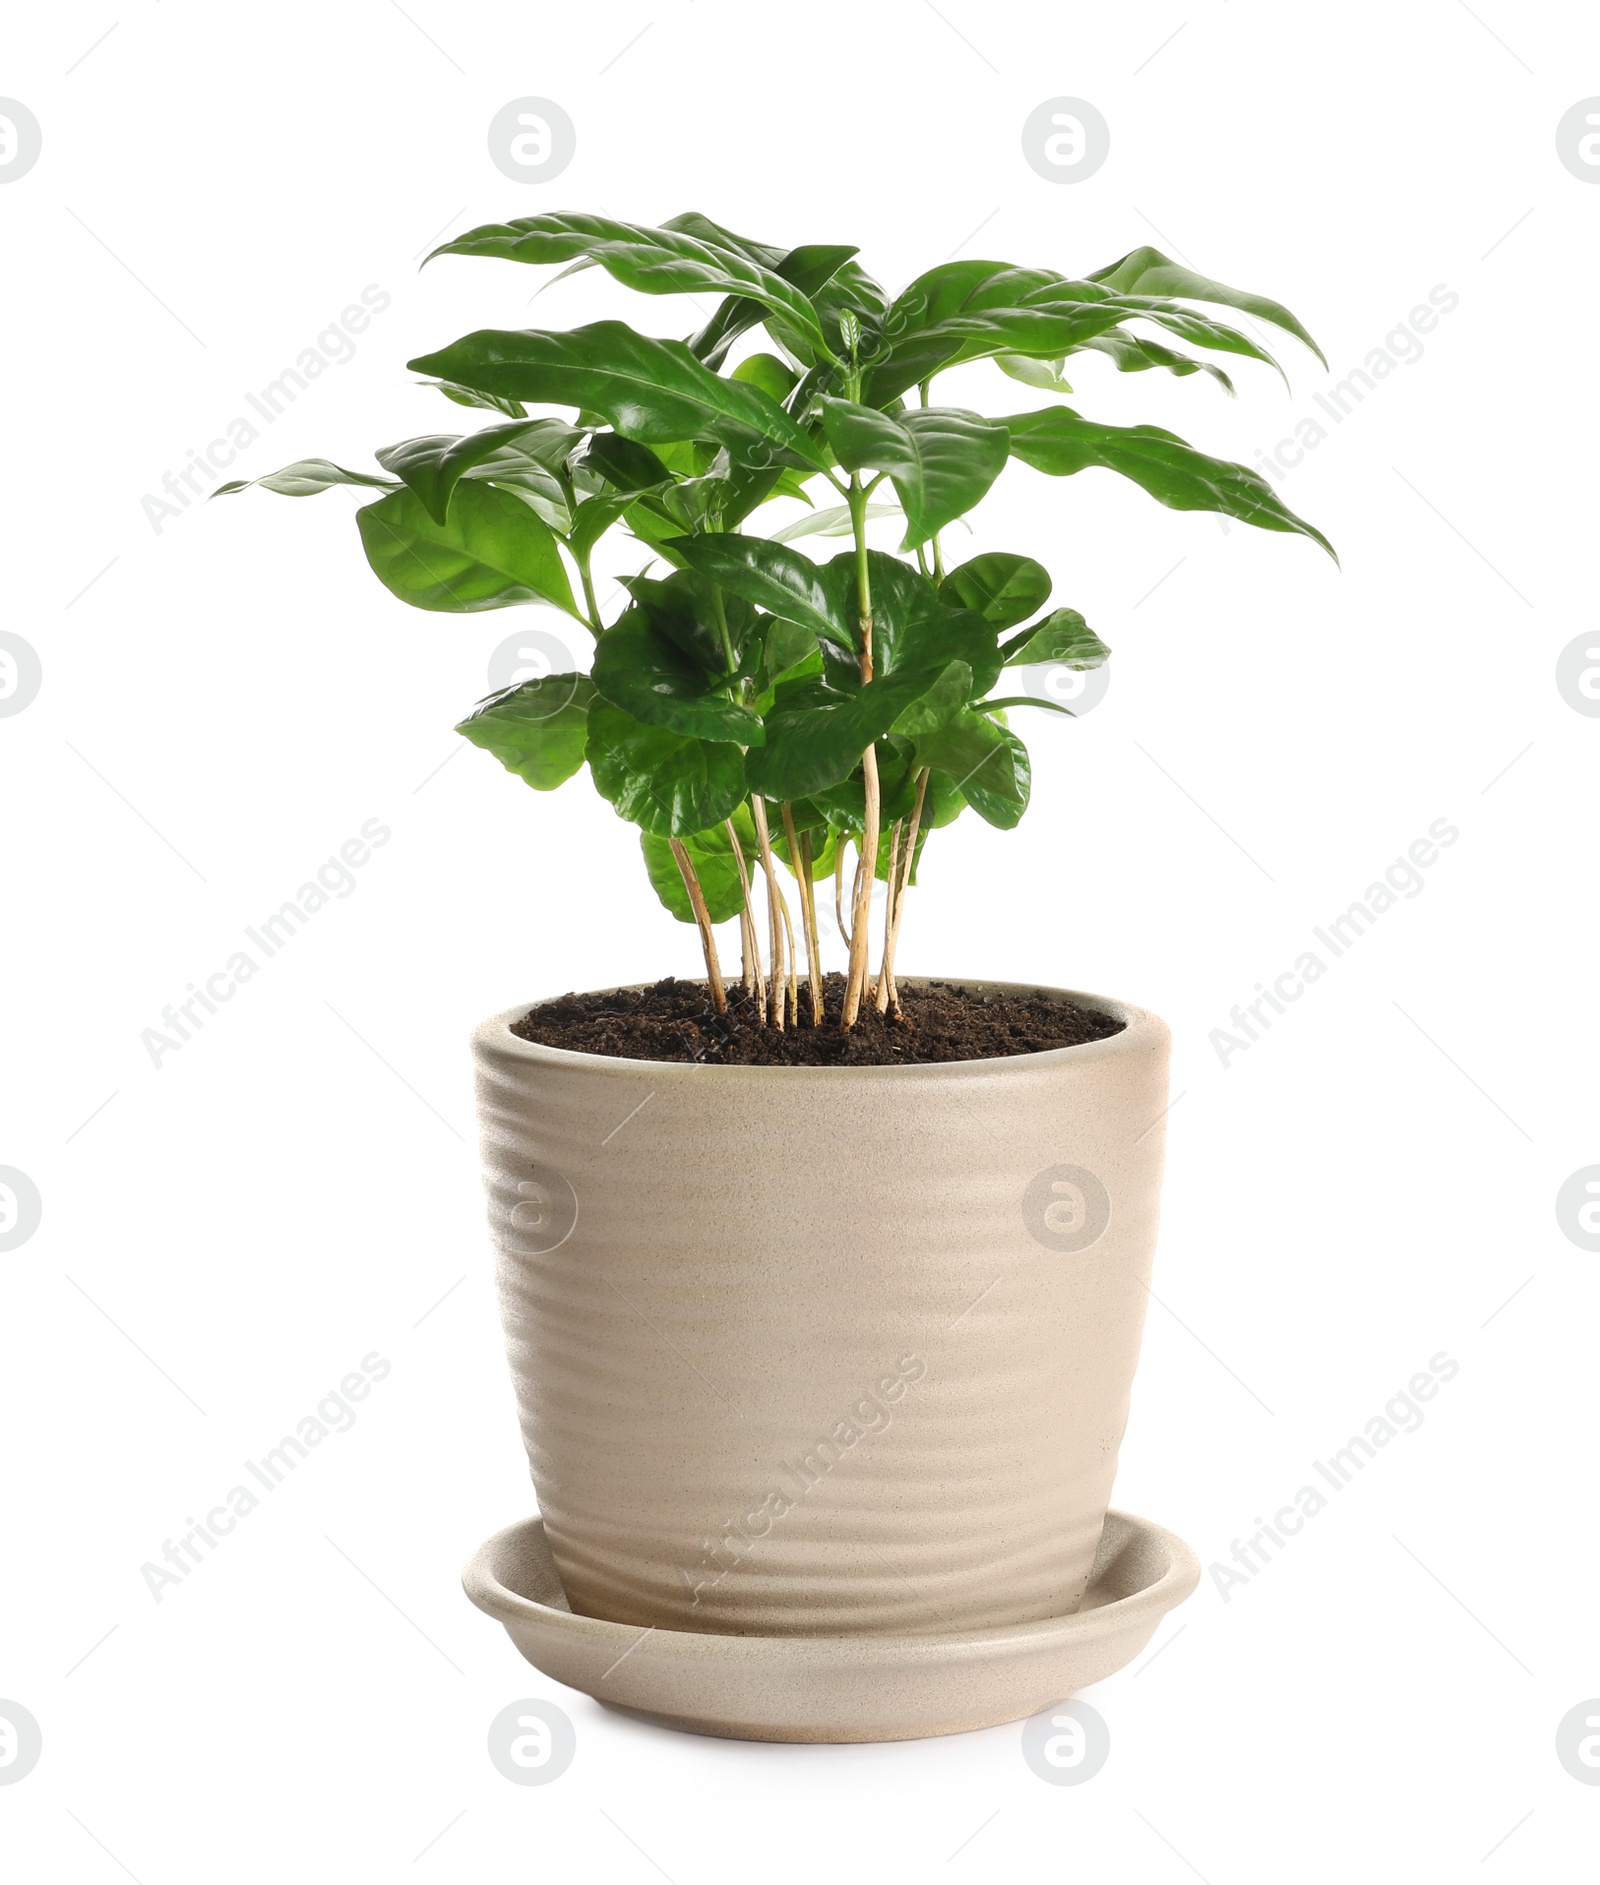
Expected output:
{"points": [[674, 1020]]}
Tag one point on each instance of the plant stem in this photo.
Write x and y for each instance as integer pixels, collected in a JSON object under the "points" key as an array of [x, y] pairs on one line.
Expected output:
{"points": [[867, 868], [754, 983], [794, 984], [908, 857], [588, 596], [702, 917], [838, 893], [721, 615], [883, 993], [800, 854], [776, 923]]}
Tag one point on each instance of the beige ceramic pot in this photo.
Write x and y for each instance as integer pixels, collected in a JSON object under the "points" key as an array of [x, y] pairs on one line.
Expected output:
{"points": [[824, 1351]]}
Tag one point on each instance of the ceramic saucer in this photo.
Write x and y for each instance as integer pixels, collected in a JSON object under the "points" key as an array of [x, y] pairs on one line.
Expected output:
{"points": [[836, 1688]]}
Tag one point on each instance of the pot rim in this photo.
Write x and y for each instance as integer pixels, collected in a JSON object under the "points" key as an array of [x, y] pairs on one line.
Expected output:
{"points": [[1140, 1028]]}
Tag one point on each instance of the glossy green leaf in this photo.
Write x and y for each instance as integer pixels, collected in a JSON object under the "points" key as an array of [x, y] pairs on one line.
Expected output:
{"points": [[1002, 588], [773, 578], [834, 521], [713, 862], [1146, 271], [1063, 637], [593, 517], [816, 735], [537, 730], [987, 762], [485, 402], [1136, 353], [305, 478], [913, 627], [493, 550], [433, 466], [637, 668], [807, 269], [945, 698], [667, 783], [1059, 442], [654, 391], [941, 459], [768, 372], [653, 261], [845, 804], [684, 607], [1045, 374], [624, 464], [981, 308]]}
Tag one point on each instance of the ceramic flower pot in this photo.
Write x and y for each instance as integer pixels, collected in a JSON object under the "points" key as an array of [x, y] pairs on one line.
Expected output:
{"points": [[824, 1351]]}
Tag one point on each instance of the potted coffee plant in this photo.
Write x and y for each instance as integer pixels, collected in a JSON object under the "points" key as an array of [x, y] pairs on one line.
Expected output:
{"points": [[823, 1289]]}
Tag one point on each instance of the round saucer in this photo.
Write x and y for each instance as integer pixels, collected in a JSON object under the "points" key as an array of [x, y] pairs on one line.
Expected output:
{"points": [[836, 1688]]}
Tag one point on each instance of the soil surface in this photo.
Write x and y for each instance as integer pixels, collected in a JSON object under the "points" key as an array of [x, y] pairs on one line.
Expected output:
{"points": [[674, 1020]]}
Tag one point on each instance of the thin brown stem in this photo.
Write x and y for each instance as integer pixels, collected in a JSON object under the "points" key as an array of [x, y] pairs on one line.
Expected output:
{"points": [[754, 981], [866, 875], [901, 885], [800, 856], [838, 893], [794, 981], [777, 910], [702, 918], [884, 991]]}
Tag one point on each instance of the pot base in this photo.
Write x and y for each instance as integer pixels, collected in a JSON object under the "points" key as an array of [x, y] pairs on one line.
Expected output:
{"points": [[836, 1688]]}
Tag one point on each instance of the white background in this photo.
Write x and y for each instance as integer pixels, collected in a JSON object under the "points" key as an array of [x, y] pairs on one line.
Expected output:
{"points": [[225, 701]]}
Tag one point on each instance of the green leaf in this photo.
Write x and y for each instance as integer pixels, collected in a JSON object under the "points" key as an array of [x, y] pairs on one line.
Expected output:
{"points": [[987, 762], [844, 805], [666, 783], [1045, 374], [305, 478], [912, 626], [485, 402], [537, 730], [1059, 442], [1146, 271], [1063, 636], [711, 855], [808, 269], [942, 460], [1133, 353], [835, 521], [592, 519], [654, 391], [624, 463], [774, 578], [947, 696], [433, 466], [653, 261], [692, 223], [637, 668], [1002, 588], [683, 608], [816, 735], [768, 372], [493, 550], [975, 309]]}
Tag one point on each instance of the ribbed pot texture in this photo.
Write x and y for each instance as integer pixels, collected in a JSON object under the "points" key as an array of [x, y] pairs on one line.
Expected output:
{"points": [[804, 1350]]}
